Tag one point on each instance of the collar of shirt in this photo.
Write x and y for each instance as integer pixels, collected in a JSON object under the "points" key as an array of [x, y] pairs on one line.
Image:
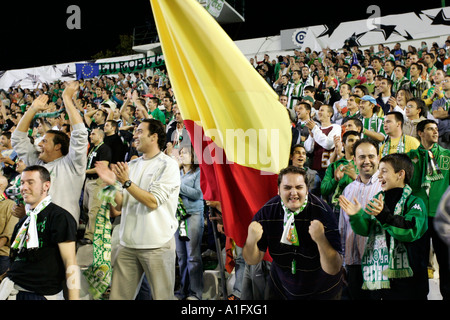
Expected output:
{"points": [[372, 180]]}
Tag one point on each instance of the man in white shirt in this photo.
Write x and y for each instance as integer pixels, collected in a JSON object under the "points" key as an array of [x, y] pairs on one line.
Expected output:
{"points": [[365, 186], [148, 203]]}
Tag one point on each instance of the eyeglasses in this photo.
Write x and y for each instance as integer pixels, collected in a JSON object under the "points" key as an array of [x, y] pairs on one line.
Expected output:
{"points": [[410, 106]]}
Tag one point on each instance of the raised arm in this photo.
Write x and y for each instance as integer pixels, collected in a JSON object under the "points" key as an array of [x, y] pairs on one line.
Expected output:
{"points": [[39, 105], [72, 111]]}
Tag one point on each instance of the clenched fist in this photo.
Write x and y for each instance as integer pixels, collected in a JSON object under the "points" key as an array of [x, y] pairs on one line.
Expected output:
{"points": [[317, 231], [255, 231]]}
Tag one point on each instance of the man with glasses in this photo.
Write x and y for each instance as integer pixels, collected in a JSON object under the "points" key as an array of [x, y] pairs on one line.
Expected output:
{"points": [[414, 112]]}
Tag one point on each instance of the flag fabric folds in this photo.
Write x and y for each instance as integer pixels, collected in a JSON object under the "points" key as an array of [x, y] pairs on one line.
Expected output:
{"points": [[87, 70], [240, 132]]}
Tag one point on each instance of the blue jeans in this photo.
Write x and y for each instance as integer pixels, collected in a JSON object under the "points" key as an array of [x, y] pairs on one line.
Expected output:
{"points": [[190, 258]]}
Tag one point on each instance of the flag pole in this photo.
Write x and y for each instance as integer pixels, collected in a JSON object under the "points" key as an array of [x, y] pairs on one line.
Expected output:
{"points": [[219, 253]]}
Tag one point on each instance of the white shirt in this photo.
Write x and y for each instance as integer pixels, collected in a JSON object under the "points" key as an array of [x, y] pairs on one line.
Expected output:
{"points": [[142, 227]]}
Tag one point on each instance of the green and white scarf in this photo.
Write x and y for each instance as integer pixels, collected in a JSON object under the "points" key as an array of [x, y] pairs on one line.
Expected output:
{"points": [[373, 123], [379, 264], [290, 236], [99, 273], [396, 85], [431, 171], [446, 104], [27, 236], [400, 147]]}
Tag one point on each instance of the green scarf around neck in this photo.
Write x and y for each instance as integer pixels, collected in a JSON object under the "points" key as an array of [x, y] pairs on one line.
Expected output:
{"points": [[380, 263], [431, 172]]}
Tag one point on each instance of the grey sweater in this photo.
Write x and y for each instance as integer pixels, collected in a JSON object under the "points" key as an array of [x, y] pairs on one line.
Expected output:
{"points": [[67, 173]]}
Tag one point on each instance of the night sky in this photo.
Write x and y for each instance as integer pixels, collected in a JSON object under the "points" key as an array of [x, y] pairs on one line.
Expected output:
{"points": [[35, 34]]}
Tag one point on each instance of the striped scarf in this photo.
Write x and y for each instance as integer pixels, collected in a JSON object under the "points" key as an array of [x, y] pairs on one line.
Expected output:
{"points": [[99, 273], [380, 263], [431, 172], [27, 236], [290, 236]]}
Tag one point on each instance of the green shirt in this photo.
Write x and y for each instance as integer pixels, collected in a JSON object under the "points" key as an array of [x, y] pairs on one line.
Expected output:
{"points": [[438, 187], [363, 224], [159, 115], [330, 186]]}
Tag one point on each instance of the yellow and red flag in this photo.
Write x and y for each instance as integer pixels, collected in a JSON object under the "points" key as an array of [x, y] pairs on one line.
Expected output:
{"points": [[240, 132]]}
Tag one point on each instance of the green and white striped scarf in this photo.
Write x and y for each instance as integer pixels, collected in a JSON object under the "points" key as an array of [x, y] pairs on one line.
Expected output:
{"points": [[290, 236], [431, 171], [99, 273], [27, 236], [379, 264]]}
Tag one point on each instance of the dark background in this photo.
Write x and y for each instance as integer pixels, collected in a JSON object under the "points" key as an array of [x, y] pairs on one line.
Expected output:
{"points": [[35, 34]]}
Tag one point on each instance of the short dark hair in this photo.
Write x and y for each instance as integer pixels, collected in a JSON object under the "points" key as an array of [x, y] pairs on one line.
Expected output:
{"points": [[156, 126], [402, 68], [154, 99], [420, 104], [114, 124], [349, 133], [398, 116], [61, 138], [419, 66], [358, 123], [400, 161], [310, 89], [7, 134], [294, 170], [43, 172], [298, 145], [365, 140], [107, 92], [389, 81], [422, 124]]}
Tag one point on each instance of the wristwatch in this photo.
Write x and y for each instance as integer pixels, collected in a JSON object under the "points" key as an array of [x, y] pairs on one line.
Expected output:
{"points": [[127, 184]]}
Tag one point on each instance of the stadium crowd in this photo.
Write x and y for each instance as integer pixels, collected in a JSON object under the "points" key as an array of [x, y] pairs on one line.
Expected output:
{"points": [[359, 118]]}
